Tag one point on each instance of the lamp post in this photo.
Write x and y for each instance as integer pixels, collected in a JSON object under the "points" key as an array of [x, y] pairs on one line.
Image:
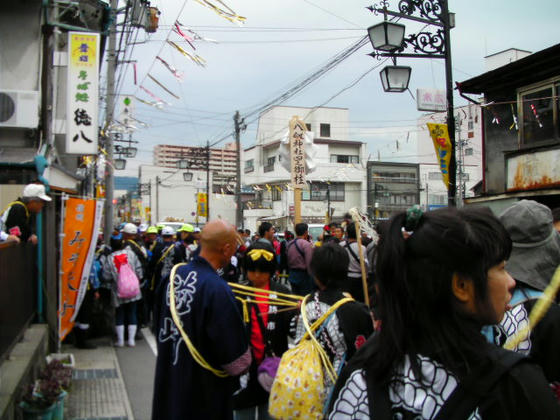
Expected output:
{"points": [[388, 40]]}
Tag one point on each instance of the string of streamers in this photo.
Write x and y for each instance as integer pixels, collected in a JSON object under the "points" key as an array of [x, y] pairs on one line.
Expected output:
{"points": [[179, 75], [178, 31], [535, 113], [157, 105], [157, 98], [224, 11], [196, 58], [157, 82], [538, 312], [195, 35], [365, 224], [514, 117]]}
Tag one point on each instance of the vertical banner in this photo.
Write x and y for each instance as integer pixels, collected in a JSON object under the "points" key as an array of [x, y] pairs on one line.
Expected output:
{"points": [[81, 225], [82, 93], [297, 151], [442, 145], [201, 205]]}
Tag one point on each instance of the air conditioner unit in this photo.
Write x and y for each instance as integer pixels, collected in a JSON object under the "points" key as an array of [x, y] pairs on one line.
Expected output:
{"points": [[19, 108]]}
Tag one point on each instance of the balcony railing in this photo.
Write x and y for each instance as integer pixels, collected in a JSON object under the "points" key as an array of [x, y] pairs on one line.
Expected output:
{"points": [[249, 169], [395, 180], [269, 168]]}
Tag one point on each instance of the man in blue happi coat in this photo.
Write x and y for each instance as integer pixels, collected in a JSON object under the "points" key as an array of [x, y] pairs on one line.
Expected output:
{"points": [[210, 317]]}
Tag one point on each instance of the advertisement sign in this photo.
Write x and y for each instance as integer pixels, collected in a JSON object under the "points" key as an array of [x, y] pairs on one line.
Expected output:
{"points": [[297, 152], [81, 225], [442, 145], [201, 205], [433, 100], [82, 93]]}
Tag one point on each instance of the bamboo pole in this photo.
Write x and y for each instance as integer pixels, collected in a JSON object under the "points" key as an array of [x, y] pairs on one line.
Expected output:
{"points": [[362, 261]]}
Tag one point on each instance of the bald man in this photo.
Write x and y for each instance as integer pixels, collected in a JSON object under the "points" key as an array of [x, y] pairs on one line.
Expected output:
{"points": [[204, 302]]}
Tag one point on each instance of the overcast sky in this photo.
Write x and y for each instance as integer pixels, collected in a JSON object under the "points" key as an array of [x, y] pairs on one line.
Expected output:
{"points": [[282, 42]]}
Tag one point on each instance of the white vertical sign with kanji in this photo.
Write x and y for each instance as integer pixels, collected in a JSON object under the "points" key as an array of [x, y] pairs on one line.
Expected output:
{"points": [[82, 93], [297, 152]]}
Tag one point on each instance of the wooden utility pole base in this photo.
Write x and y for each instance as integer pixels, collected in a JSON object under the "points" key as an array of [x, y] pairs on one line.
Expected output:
{"points": [[297, 206]]}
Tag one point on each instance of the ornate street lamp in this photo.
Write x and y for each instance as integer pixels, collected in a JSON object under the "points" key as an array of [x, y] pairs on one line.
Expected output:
{"points": [[187, 176], [395, 78], [119, 163], [386, 36], [435, 43]]}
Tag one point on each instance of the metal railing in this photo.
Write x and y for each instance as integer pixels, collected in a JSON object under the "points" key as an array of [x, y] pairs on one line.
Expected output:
{"points": [[269, 168], [18, 276]]}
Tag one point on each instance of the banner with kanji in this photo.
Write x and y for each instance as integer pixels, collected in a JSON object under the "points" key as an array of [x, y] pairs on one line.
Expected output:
{"points": [[201, 205], [442, 145], [297, 152], [81, 225], [82, 93]]}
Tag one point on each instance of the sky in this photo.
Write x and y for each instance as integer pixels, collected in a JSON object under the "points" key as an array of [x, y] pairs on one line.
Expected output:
{"points": [[282, 42]]}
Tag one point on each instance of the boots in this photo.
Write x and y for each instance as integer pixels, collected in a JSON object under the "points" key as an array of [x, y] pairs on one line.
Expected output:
{"points": [[81, 338], [131, 335], [120, 336]]}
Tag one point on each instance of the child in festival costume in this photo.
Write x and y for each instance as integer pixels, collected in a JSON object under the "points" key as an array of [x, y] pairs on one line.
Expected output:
{"points": [[441, 276], [267, 328]]}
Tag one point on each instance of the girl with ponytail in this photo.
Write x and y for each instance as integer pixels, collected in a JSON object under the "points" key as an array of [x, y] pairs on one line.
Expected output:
{"points": [[440, 278]]}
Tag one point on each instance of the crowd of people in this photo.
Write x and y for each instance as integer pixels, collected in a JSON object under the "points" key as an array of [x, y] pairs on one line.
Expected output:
{"points": [[453, 328], [449, 289]]}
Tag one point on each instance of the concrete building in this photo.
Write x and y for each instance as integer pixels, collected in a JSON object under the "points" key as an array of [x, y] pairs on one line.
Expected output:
{"points": [[223, 162], [468, 135], [520, 130], [391, 188], [166, 194], [339, 178]]}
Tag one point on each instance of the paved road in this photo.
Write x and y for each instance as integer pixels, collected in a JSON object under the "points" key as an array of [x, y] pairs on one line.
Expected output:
{"points": [[138, 366]]}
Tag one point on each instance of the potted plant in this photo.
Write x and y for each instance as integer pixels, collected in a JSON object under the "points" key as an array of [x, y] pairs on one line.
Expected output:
{"points": [[44, 399], [39, 400]]}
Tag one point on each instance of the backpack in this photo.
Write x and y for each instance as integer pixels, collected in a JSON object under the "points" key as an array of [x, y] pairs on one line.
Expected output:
{"points": [[299, 388], [128, 285]]}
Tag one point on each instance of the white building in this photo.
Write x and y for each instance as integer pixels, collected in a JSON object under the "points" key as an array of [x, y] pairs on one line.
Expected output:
{"points": [[340, 171], [468, 138], [171, 196]]}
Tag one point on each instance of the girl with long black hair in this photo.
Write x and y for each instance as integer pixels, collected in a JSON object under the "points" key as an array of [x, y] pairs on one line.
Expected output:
{"points": [[441, 277]]}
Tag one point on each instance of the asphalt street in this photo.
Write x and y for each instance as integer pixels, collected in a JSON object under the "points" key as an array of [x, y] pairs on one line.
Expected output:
{"points": [[137, 366]]}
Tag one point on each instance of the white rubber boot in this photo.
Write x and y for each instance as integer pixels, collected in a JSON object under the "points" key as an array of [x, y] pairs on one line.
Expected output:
{"points": [[120, 336], [131, 335]]}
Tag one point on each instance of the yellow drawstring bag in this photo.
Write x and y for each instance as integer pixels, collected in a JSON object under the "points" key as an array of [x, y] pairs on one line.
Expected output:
{"points": [[298, 391]]}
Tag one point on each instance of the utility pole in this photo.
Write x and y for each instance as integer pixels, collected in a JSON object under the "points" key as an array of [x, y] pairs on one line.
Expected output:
{"points": [[157, 199], [110, 101], [207, 181], [239, 126]]}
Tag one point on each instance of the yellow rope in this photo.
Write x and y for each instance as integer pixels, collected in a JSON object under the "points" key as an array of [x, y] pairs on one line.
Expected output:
{"points": [[254, 289], [245, 310], [194, 352], [538, 312]]}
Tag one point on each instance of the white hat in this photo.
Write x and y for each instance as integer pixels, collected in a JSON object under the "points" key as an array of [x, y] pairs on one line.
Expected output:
{"points": [[143, 228], [130, 228], [36, 191], [197, 229], [167, 231]]}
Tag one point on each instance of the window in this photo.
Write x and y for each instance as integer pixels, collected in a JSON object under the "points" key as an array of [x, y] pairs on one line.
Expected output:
{"points": [[325, 130], [539, 119], [276, 193], [269, 167], [469, 151], [317, 191], [249, 165], [437, 199], [308, 127], [434, 176], [345, 159]]}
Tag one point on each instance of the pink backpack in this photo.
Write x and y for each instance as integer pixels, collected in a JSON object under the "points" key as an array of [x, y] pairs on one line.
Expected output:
{"points": [[128, 285]]}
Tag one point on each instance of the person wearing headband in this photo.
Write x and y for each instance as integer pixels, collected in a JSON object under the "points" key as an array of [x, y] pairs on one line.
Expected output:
{"points": [[267, 329]]}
